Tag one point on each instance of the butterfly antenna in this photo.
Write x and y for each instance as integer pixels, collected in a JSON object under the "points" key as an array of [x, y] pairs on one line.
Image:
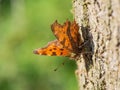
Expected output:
{"points": [[60, 65]]}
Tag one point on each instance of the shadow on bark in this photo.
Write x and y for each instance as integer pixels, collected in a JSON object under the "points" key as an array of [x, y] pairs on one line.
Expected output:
{"points": [[88, 48]]}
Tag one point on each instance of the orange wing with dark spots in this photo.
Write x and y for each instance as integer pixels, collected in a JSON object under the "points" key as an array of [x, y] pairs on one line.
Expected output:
{"points": [[68, 40], [53, 48], [67, 34]]}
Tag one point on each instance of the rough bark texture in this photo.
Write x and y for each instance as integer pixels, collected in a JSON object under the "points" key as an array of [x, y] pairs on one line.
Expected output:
{"points": [[99, 22]]}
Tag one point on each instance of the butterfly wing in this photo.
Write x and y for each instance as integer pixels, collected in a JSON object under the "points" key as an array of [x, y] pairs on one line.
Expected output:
{"points": [[53, 48], [67, 34], [75, 36]]}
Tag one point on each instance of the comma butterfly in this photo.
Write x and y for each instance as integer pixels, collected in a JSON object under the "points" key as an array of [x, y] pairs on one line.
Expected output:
{"points": [[68, 40]]}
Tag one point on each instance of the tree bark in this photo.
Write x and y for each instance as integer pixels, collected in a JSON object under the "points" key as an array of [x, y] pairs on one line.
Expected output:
{"points": [[99, 22]]}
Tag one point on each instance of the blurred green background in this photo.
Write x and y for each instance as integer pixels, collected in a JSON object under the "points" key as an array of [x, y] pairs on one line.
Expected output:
{"points": [[25, 26]]}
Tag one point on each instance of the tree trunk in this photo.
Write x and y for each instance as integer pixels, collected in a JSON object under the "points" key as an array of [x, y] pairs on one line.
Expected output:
{"points": [[99, 22]]}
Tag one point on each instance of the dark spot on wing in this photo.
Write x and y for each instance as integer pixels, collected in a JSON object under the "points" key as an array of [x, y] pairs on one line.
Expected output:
{"points": [[61, 53], [53, 53], [61, 49], [54, 48], [50, 49], [44, 53], [64, 32], [63, 42]]}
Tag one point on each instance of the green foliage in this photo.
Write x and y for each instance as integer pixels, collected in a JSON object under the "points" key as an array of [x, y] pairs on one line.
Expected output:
{"points": [[24, 27]]}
